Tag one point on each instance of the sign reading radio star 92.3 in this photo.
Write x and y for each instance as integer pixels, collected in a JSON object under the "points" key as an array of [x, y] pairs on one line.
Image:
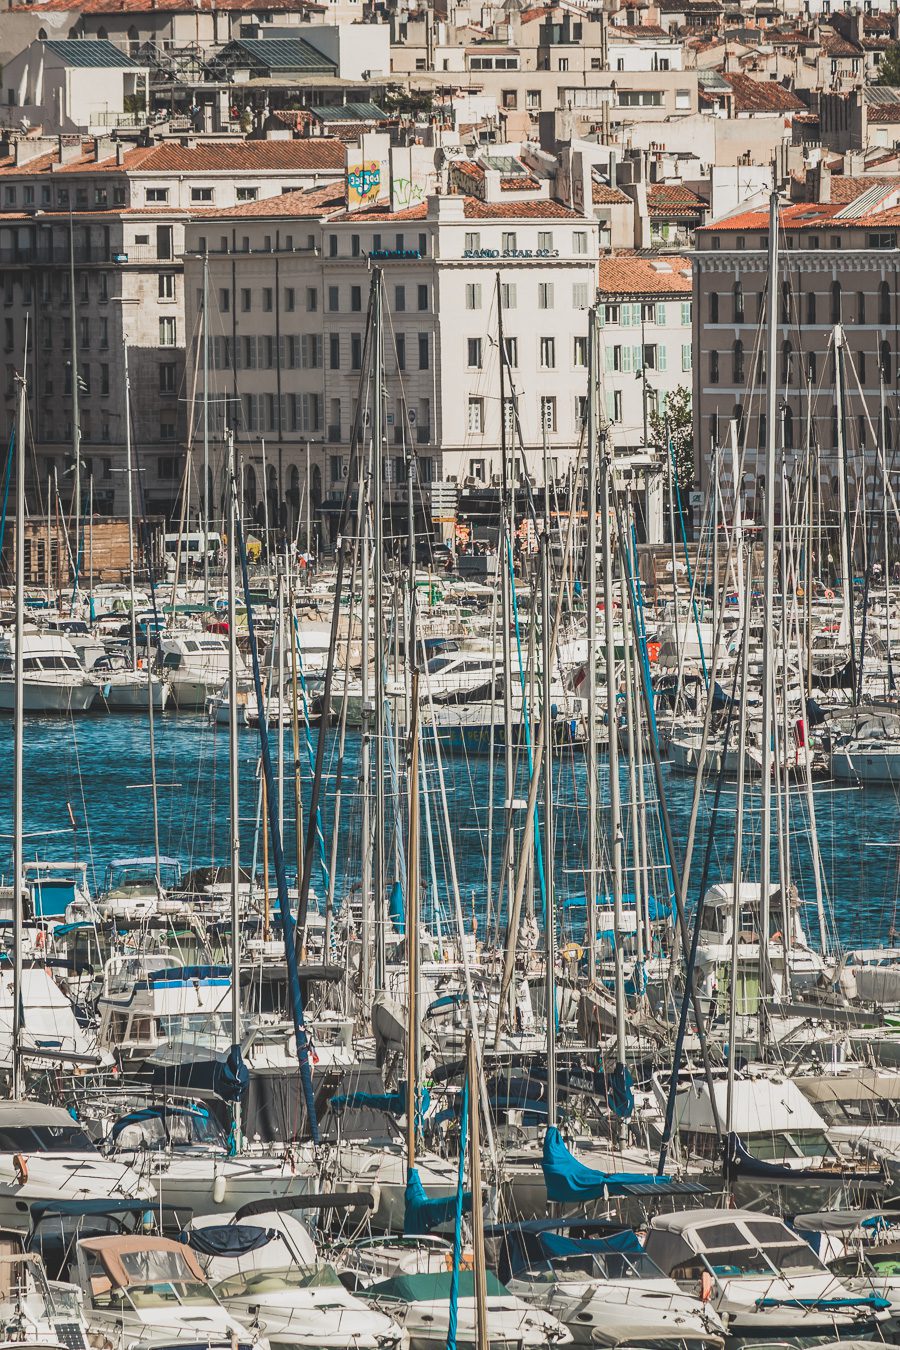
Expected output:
{"points": [[511, 253]]}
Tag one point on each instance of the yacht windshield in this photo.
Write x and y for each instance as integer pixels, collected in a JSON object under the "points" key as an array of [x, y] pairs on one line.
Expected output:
{"points": [[250, 1283], [44, 1139], [158, 1278]]}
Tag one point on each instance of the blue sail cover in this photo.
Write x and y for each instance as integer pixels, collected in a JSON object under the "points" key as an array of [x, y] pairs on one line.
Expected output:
{"points": [[621, 1094], [396, 910], [228, 1239], [422, 1214], [395, 1102], [231, 1077], [569, 1181], [557, 1244]]}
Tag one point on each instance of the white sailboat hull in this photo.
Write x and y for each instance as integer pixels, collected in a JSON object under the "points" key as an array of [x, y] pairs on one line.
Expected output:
{"points": [[50, 696]]}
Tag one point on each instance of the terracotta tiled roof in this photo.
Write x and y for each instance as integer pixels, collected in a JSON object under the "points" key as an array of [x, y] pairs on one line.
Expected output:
{"points": [[836, 45], [637, 30], [762, 96], [674, 199], [845, 188], [797, 216], [314, 154], [604, 195], [631, 275], [475, 209], [287, 204], [536, 12], [176, 6], [885, 112]]}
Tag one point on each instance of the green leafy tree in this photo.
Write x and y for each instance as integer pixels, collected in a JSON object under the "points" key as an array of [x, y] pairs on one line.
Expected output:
{"points": [[675, 425], [889, 66]]}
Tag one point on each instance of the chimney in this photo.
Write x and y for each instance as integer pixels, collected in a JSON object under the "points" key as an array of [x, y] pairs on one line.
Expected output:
{"points": [[824, 184], [120, 152]]}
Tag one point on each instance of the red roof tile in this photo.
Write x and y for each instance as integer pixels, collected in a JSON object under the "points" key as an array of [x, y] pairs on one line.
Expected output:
{"points": [[313, 154], [762, 96], [638, 275], [674, 199], [312, 202], [475, 209], [604, 195]]}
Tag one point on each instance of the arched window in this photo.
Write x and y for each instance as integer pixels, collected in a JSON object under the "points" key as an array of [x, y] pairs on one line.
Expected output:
{"points": [[787, 352], [249, 486], [738, 302], [737, 362], [810, 306], [835, 302], [884, 303], [785, 302], [42, 35], [787, 427], [102, 34], [294, 490]]}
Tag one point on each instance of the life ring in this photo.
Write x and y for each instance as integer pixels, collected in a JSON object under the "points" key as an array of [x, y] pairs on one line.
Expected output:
{"points": [[829, 595], [20, 1167], [706, 1286], [572, 951], [40, 939], [778, 937]]}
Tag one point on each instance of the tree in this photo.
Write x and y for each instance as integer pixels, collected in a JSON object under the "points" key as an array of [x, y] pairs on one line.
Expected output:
{"points": [[889, 66], [674, 427]]}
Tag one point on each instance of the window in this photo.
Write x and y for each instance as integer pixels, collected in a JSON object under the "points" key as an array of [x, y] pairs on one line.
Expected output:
{"points": [[335, 468], [512, 351], [334, 351], [103, 331], [224, 301], [400, 350], [167, 333], [509, 98], [685, 312], [290, 299], [885, 360], [245, 300], [201, 194], [167, 378], [84, 332], [579, 352], [332, 245], [476, 416], [580, 295], [614, 405], [424, 352], [508, 295], [548, 353], [473, 348], [103, 284], [508, 241], [563, 64], [738, 295], [157, 194], [333, 299], [312, 300], [714, 367], [682, 99], [355, 351], [422, 297], [714, 307], [473, 296], [533, 99], [166, 285], [477, 470], [548, 412], [686, 362], [787, 356], [356, 299], [247, 194], [737, 361], [354, 246], [836, 302], [882, 239], [580, 241], [884, 303], [399, 299], [545, 241], [472, 242], [545, 295], [267, 299]]}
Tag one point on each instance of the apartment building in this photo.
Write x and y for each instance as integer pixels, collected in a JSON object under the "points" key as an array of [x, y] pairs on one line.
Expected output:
{"points": [[122, 213], [290, 282], [839, 268]]}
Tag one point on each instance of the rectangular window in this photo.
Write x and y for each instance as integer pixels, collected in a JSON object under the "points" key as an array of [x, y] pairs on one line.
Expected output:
{"points": [[157, 195], [399, 299], [312, 300], [267, 299], [334, 351], [224, 301], [548, 412], [356, 351], [167, 378], [686, 363], [84, 333], [473, 295], [508, 294], [580, 297], [356, 299], [334, 302], [548, 353], [166, 285], [400, 350], [245, 300], [473, 349], [579, 352], [335, 468], [545, 295], [477, 470], [332, 245], [424, 352], [103, 283], [247, 194], [422, 297], [545, 241], [472, 241], [289, 299], [476, 416], [201, 194], [580, 241], [354, 246], [104, 381], [508, 241], [103, 324], [512, 351], [685, 312]]}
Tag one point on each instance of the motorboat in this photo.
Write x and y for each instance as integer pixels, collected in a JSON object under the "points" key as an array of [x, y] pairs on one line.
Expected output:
{"points": [[55, 681], [596, 1278], [146, 998], [759, 1277], [144, 1291], [195, 664], [36, 1312], [268, 1274], [46, 1155], [422, 1304]]}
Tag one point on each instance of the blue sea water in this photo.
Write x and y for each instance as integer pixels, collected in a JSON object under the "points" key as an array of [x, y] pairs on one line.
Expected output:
{"points": [[99, 764]]}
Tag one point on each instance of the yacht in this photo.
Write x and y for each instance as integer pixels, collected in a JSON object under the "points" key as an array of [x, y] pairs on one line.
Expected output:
{"points": [[422, 1304], [55, 681], [45, 1155], [35, 1312], [195, 664]]}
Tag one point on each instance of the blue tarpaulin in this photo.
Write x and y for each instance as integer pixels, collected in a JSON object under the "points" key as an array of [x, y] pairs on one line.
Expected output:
{"points": [[395, 1102], [422, 1214], [569, 1181], [231, 1077]]}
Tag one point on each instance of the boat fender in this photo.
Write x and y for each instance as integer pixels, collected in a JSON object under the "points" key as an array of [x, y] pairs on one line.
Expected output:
{"points": [[20, 1167], [219, 1187], [706, 1286], [829, 595], [375, 1190]]}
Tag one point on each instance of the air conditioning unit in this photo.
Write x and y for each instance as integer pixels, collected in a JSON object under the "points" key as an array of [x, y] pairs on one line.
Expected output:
{"points": [[470, 480], [495, 480]]}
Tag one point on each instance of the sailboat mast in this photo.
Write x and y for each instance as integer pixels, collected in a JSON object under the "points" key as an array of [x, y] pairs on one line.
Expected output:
{"points": [[591, 668], [19, 746], [412, 931], [206, 431], [550, 916], [130, 507], [845, 524], [380, 880], [234, 812], [76, 429], [768, 680], [505, 582], [612, 724]]}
